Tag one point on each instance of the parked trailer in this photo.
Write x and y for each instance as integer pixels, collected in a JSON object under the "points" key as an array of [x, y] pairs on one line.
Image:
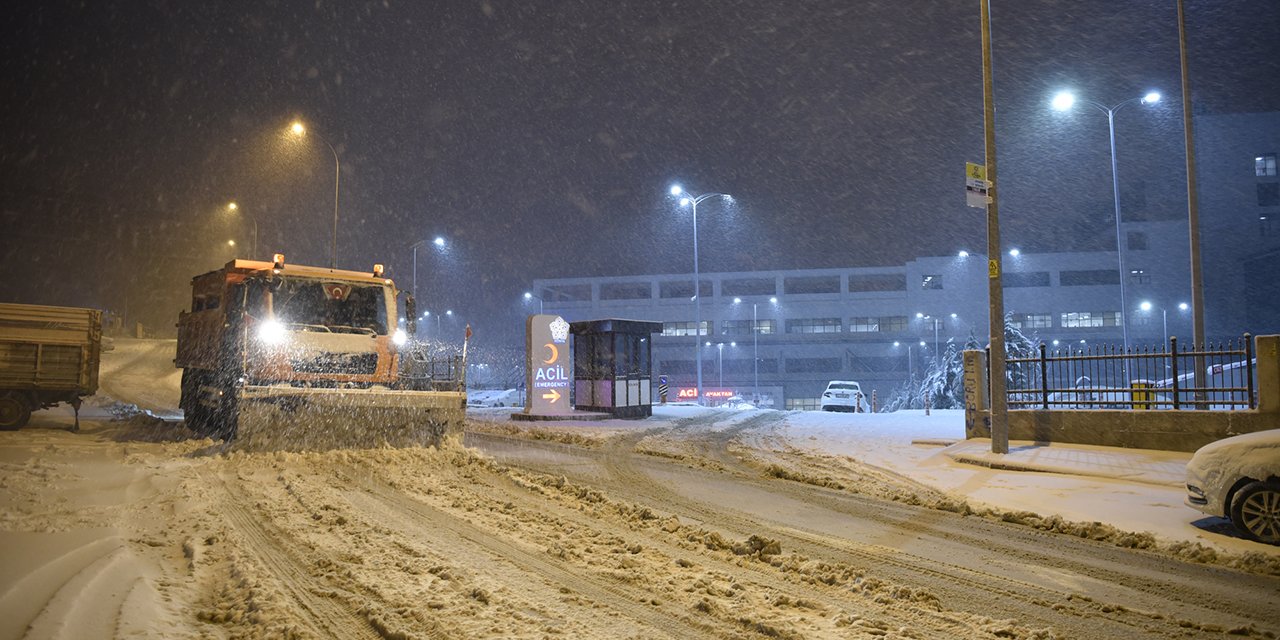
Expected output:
{"points": [[48, 355]]}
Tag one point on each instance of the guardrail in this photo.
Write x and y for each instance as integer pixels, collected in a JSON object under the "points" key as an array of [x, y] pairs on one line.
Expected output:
{"points": [[1104, 377]]}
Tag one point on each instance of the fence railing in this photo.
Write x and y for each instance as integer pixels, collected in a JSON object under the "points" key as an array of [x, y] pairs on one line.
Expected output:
{"points": [[1154, 377]]}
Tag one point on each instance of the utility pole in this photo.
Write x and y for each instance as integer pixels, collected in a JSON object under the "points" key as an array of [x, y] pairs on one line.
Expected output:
{"points": [[1193, 214], [995, 290]]}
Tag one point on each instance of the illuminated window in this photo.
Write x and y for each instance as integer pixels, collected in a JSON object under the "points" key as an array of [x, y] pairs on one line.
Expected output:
{"points": [[803, 404], [931, 281], [882, 324], [814, 325], [1078, 319], [684, 328], [1264, 165], [1139, 276]]}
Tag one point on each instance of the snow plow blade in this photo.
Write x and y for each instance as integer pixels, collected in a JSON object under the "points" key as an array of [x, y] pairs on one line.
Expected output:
{"points": [[309, 419]]}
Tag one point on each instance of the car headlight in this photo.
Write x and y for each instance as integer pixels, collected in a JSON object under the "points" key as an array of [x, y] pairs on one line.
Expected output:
{"points": [[272, 332], [399, 337]]}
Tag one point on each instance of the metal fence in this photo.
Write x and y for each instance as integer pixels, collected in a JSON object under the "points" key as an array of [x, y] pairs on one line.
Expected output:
{"points": [[1157, 377]]}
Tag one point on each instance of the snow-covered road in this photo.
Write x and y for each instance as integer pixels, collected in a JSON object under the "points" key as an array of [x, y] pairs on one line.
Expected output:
{"points": [[701, 525]]}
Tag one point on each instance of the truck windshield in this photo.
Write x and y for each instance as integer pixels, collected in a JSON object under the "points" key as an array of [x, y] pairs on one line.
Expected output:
{"points": [[339, 307]]}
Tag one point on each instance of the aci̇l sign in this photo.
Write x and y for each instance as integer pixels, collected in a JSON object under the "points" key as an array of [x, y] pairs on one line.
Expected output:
{"points": [[548, 367]]}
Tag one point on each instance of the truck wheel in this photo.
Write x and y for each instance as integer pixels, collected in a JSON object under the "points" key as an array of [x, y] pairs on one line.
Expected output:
{"points": [[194, 415], [15, 411]]}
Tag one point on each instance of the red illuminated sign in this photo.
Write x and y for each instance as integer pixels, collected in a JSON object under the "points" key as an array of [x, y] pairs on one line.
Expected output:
{"points": [[691, 393]]}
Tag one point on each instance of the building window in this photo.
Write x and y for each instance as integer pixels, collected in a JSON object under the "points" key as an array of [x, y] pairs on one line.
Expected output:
{"points": [[1136, 240], [814, 325], [877, 282], [743, 327], [931, 281], [567, 293], [1026, 279], [1032, 320], [813, 365], [1080, 319], [864, 325], [684, 328], [1088, 278], [883, 324], [682, 289], [1269, 194], [1264, 166], [811, 284], [803, 404], [1139, 276], [749, 287], [626, 291], [893, 323]]}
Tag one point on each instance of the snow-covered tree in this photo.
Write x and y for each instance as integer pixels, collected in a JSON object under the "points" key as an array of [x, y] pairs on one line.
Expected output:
{"points": [[943, 379]]}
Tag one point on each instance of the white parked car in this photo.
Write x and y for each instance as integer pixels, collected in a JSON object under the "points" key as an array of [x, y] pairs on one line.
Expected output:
{"points": [[845, 395], [1239, 478]]}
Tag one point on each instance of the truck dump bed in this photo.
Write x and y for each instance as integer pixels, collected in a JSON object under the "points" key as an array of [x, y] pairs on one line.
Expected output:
{"points": [[50, 349]]}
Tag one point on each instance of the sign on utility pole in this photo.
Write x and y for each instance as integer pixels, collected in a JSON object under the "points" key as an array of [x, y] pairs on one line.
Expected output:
{"points": [[548, 367], [976, 185]]}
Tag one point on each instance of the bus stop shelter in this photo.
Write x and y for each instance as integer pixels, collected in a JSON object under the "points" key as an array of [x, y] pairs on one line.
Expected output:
{"points": [[612, 367]]}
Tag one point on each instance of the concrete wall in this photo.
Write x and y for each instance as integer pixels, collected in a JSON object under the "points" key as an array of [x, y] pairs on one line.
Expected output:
{"points": [[1185, 430]]}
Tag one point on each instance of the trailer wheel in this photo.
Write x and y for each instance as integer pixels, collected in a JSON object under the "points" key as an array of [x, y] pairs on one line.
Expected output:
{"points": [[15, 411]]}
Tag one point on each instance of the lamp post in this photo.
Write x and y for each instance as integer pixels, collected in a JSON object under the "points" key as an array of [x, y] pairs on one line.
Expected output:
{"points": [[693, 201], [298, 130], [528, 295], [439, 242], [1164, 314], [1062, 102], [232, 208], [922, 316]]}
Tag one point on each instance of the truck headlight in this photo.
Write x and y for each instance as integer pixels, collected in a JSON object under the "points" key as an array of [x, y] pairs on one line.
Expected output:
{"points": [[399, 337], [272, 332]]}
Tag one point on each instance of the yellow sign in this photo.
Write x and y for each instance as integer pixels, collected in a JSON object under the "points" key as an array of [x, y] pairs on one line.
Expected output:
{"points": [[993, 268], [975, 171]]}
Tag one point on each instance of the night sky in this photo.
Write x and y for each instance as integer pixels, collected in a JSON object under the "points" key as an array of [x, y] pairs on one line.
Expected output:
{"points": [[540, 138]]}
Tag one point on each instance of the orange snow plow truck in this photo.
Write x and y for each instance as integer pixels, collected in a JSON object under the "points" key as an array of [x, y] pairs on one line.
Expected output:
{"points": [[286, 357]]}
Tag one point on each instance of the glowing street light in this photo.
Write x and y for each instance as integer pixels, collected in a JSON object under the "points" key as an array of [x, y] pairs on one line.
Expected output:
{"points": [[692, 202], [1064, 101], [528, 295], [235, 208], [298, 131]]}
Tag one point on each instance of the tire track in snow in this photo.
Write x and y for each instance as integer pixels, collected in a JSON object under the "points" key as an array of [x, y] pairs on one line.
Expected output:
{"points": [[324, 615], [610, 594]]}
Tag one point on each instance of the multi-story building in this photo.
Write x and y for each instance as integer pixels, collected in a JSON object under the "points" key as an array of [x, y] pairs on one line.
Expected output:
{"points": [[782, 335]]}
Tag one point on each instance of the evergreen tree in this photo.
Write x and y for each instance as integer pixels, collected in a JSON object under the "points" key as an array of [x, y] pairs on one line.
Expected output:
{"points": [[944, 377]]}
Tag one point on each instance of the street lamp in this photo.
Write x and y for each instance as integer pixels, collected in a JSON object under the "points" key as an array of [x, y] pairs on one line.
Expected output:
{"points": [[232, 208], [298, 130], [922, 316], [755, 339], [1164, 314], [439, 242], [528, 295], [1062, 102], [692, 201]]}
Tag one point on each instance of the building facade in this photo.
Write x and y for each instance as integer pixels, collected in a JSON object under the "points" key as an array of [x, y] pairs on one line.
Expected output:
{"points": [[781, 336]]}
